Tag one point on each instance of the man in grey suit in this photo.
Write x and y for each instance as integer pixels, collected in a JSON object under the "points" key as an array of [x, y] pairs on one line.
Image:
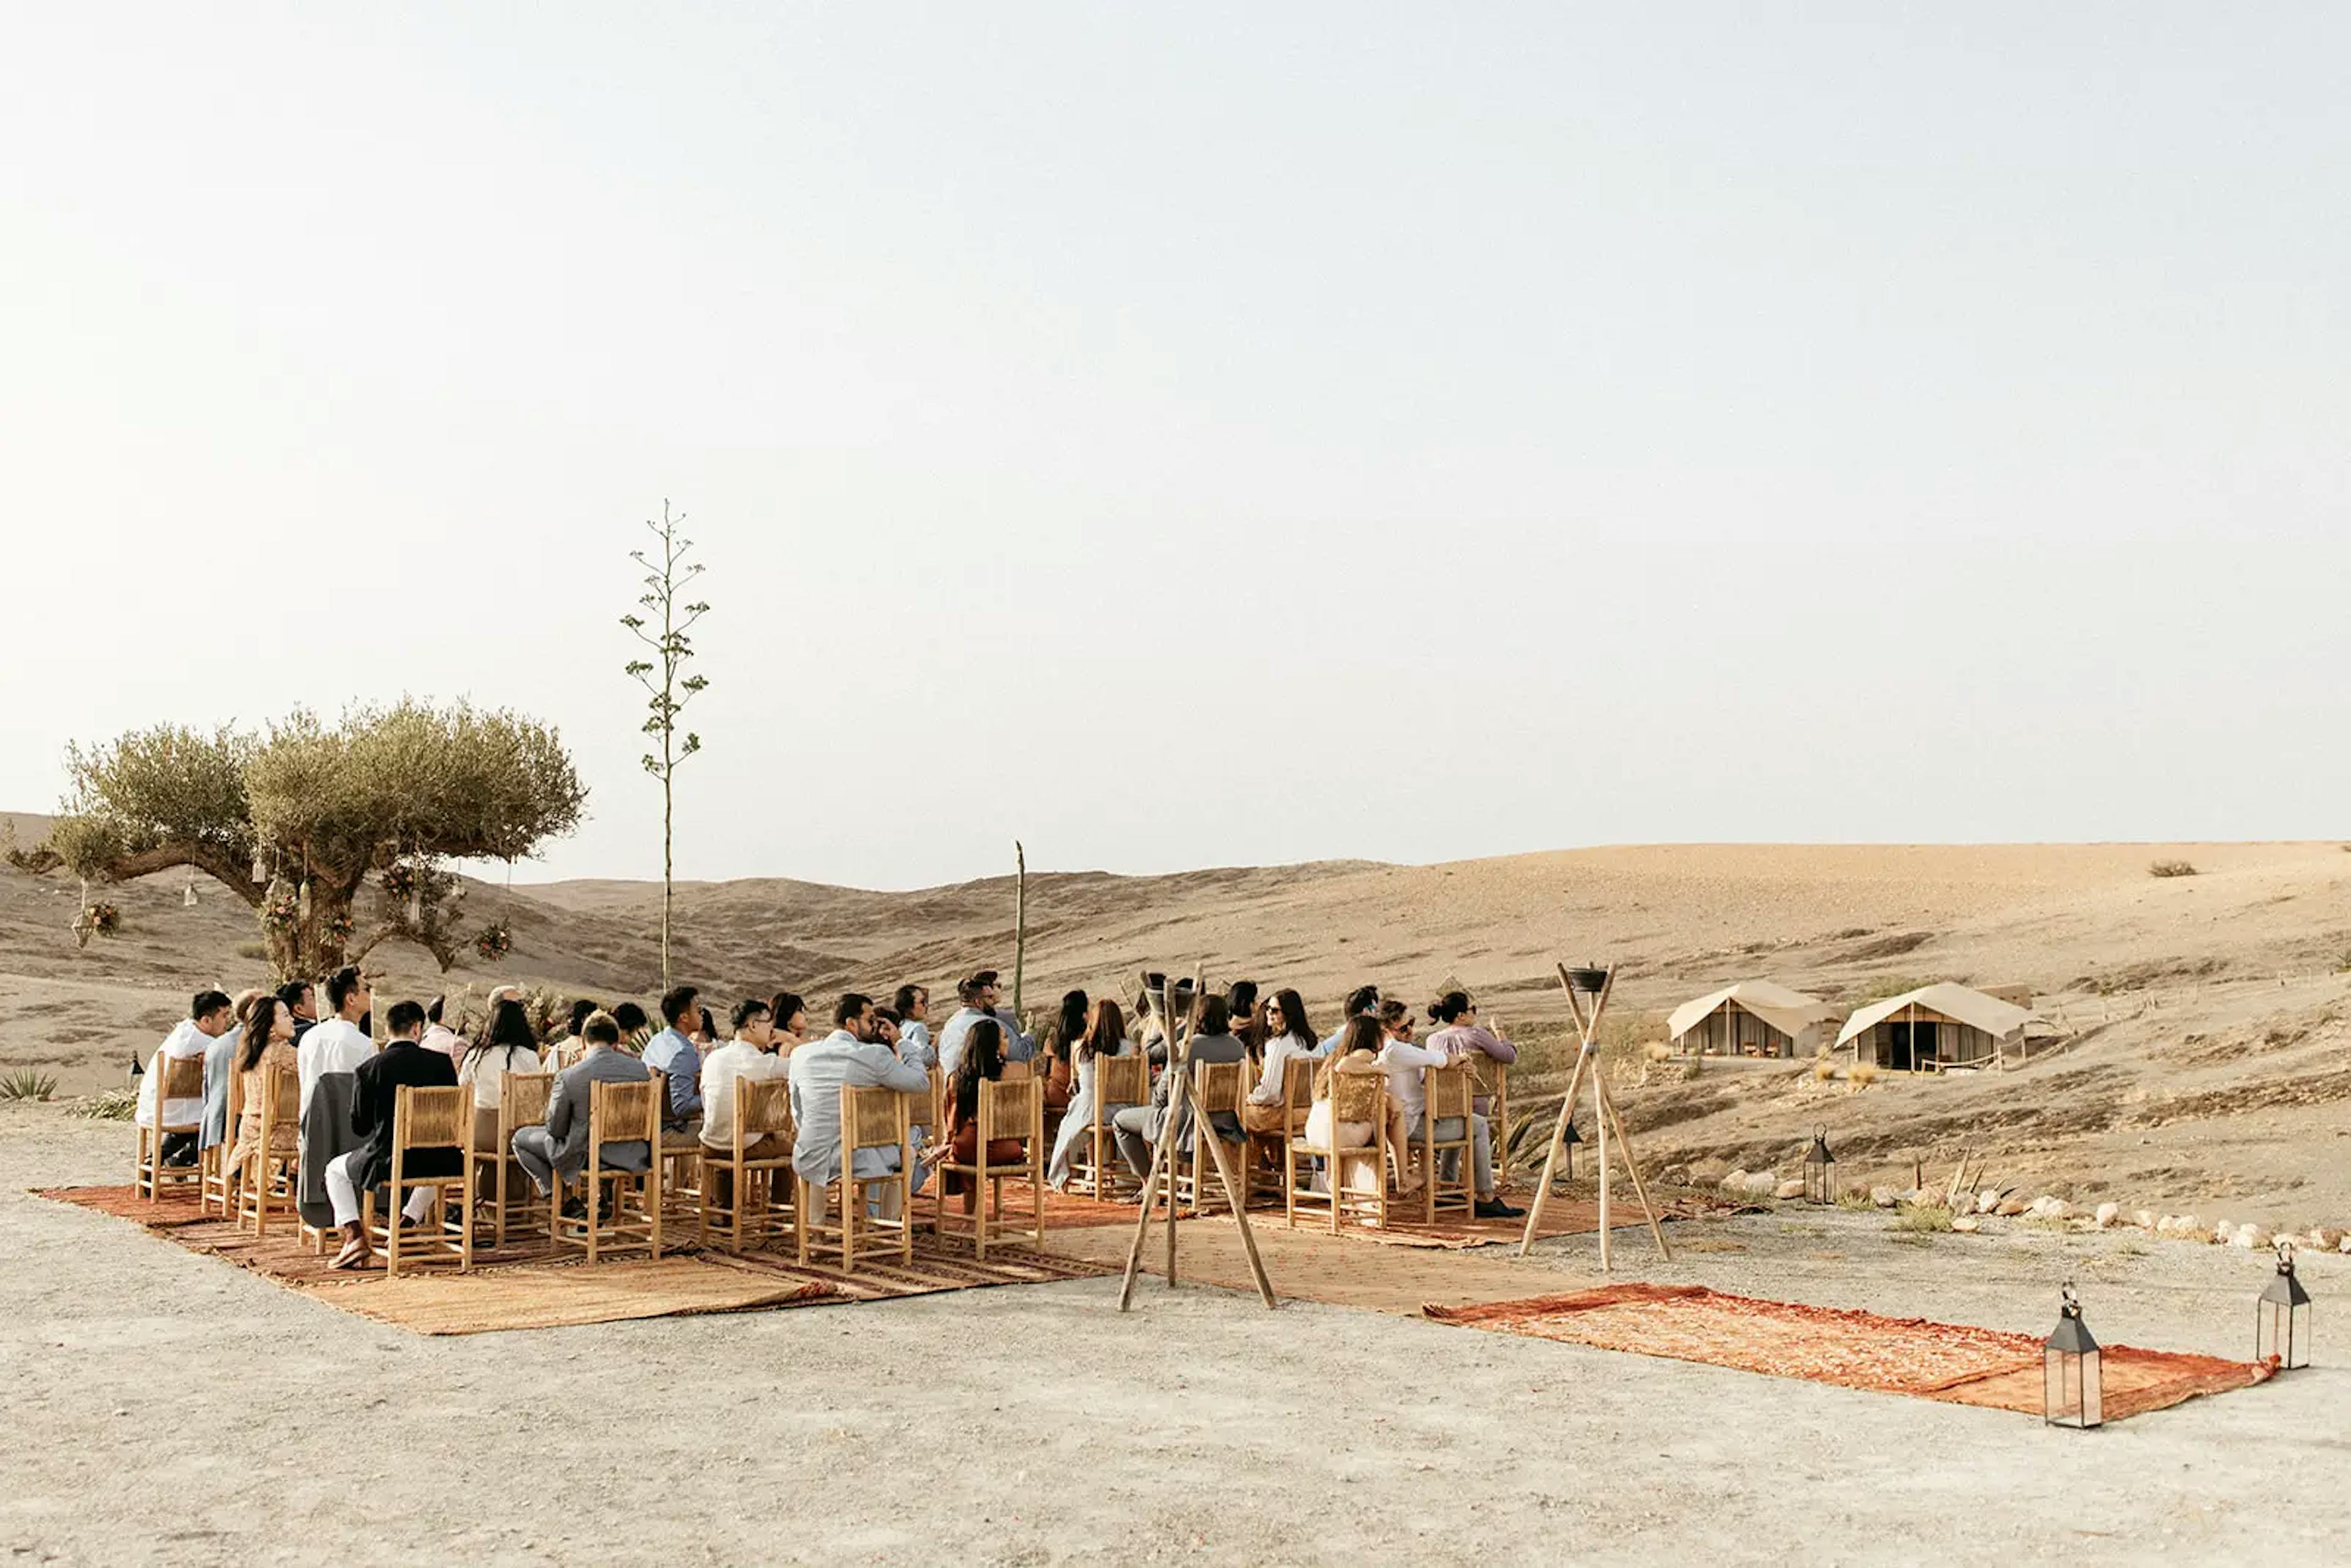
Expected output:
{"points": [[850, 1057], [559, 1151], [1138, 1127]]}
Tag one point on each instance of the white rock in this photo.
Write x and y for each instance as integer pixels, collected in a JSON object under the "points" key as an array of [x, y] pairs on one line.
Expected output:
{"points": [[1735, 1183], [2250, 1238], [1966, 1222], [2144, 1219], [2108, 1215], [2343, 1245], [2010, 1206], [2187, 1225], [2223, 1231], [2047, 1207], [1884, 1196], [1986, 1201], [1792, 1188]]}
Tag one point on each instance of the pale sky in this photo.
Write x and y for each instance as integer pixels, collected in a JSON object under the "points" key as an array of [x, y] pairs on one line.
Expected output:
{"points": [[1209, 434]]}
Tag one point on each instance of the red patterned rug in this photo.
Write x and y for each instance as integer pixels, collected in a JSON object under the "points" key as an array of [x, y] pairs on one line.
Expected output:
{"points": [[1950, 1361]]}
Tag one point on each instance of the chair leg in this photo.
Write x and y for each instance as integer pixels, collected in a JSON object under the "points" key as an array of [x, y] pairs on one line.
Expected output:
{"points": [[799, 1219]]}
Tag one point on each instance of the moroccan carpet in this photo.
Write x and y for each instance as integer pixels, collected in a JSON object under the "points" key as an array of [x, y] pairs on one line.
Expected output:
{"points": [[1950, 1361], [520, 1287]]}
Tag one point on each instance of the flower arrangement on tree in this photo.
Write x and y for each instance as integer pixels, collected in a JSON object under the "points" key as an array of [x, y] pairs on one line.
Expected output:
{"points": [[96, 920], [495, 941], [282, 913]]}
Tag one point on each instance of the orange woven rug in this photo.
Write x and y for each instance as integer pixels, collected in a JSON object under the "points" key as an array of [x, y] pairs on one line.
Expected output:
{"points": [[1950, 1361], [521, 1287]]}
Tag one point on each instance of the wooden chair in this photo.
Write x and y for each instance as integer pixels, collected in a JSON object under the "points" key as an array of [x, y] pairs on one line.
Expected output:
{"points": [[680, 1153], [175, 1078], [763, 1108], [1215, 1086], [870, 1118], [1297, 1102], [617, 1114], [1095, 1168], [1008, 1108], [425, 1119], [272, 1177], [522, 1103], [216, 1183], [1356, 1096], [1448, 1090], [1493, 1084]]}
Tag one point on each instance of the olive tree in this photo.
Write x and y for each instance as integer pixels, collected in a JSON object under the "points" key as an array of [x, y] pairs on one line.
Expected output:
{"points": [[298, 820]]}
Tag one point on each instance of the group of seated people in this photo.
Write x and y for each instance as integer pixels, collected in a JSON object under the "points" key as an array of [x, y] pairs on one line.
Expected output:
{"points": [[348, 1086]]}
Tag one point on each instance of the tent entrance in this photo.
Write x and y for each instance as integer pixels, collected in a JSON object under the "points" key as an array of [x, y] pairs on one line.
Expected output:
{"points": [[1909, 1047]]}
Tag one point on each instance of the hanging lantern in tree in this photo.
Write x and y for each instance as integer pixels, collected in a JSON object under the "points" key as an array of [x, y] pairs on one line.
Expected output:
{"points": [[1820, 1170], [2281, 1316], [188, 893], [2073, 1394]]}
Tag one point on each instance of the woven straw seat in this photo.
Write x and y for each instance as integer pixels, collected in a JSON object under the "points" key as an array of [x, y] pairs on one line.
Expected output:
{"points": [[1448, 1090], [1215, 1086], [216, 1183], [1357, 1096], [1095, 1169], [870, 1118], [271, 1178], [757, 1205], [617, 1114], [522, 1103], [1492, 1081], [1008, 1108], [175, 1078], [424, 1119]]}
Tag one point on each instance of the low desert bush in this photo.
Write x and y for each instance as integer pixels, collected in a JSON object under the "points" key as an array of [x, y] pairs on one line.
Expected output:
{"points": [[256, 951], [1823, 1069], [2171, 868], [1855, 1198], [113, 1105], [28, 1084], [1861, 1074], [1924, 1216]]}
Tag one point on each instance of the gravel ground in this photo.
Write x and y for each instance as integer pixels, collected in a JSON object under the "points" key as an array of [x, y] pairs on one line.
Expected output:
{"points": [[160, 1407]]}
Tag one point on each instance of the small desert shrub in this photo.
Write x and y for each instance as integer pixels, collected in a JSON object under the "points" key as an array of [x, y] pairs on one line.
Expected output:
{"points": [[256, 951], [1693, 1068], [1924, 1216], [113, 1105], [2171, 868], [1861, 1074], [1659, 1050], [1855, 1198], [28, 1085], [1823, 1069]]}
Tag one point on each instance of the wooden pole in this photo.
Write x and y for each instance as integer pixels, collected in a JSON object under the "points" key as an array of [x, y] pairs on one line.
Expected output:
{"points": [[1585, 1029], [1019, 921], [1633, 1169]]}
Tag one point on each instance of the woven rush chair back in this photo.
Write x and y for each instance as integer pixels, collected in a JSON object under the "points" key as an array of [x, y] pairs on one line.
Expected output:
{"points": [[522, 1103], [1006, 1108], [1122, 1080], [1009, 1105], [870, 1118], [622, 1113], [1359, 1096], [1217, 1085], [523, 1098], [1296, 1091], [1493, 1084], [619, 1113], [762, 1106], [283, 1104], [938, 1096], [281, 1116], [1449, 1090], [217, 1191], [184, 1079], [432, 1118]]}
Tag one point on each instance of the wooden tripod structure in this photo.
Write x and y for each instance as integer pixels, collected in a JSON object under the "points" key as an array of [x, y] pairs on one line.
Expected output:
{"points": [[1604, 1120], [1163, 1152]]}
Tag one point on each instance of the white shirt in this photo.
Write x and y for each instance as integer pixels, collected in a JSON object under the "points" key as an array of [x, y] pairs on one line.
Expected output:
{"points": [[1287, 1048], [735, 1059], [333, 1045], [1404, 1062], [184, 1041], [915, 1043], [487, 1070]]}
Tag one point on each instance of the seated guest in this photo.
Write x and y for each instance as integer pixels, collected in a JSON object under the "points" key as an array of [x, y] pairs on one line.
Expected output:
{"points": [[1404, 1062], [1359, 1051], [886, 1024], [1290, 1038], [673, 1051], [266, 1046], [1248, 1018], [300, 998], [850, 1057], [509, 1045], [336, 1044], [558, 1151], [402, 1064], [980, 994], [568, 1046], [750, 1054], [1363, 1001], [1105, 1035], [209, 1018], [220, 1060], [1139, 1126], [635, 1027], [788, 1015], [913, 1006], [982, 1060], [705, 1032], [439, 1036], [1152, 1031], [1057, 1046], [1460, 1034]]}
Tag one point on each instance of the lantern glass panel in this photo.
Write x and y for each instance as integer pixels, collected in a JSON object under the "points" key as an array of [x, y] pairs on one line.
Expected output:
{"points": [[2283, 1331], [2072, 1389]]}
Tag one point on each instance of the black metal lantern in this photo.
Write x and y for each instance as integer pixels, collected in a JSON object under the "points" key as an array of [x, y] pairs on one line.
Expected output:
{"points": [[1588, 979], [2282, 1317], [2071, 1392], [1568, 1140], [1820, 1170]]}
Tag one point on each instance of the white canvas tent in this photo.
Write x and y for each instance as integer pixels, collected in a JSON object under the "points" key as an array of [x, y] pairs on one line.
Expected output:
{"points": [[1753, 1018], [1935, 1027]]}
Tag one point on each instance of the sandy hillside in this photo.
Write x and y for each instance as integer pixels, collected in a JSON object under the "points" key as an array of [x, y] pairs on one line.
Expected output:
{"points": [[2203, 1020]]}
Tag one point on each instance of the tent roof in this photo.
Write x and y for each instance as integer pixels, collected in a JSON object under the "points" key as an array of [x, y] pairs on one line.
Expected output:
{"points": [[1952, 1000], [1790, 1012]]}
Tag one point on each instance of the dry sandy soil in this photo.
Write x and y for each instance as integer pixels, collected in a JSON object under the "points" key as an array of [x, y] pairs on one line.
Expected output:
{"points": [[2204, 1021], [161, 1406]]}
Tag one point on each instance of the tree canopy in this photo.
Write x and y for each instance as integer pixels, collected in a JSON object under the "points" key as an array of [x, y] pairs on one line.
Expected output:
{"points": [[296, 819]]}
